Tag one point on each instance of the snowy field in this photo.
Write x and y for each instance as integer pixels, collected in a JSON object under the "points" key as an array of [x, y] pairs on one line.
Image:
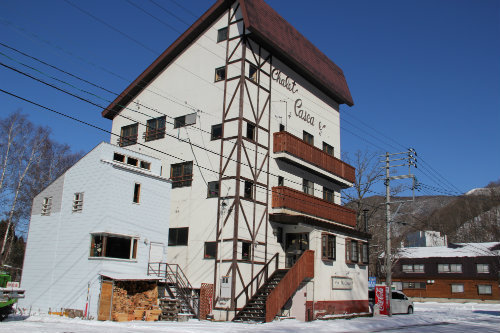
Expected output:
{"points": [[428, 317]]}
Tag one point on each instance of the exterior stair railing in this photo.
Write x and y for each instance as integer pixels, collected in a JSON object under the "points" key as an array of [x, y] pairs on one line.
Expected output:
{"points": [[258, 281], [302, 270], [174, 276]]}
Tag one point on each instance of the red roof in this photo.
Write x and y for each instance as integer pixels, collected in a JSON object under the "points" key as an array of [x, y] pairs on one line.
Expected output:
{"points": [[269, 29]]}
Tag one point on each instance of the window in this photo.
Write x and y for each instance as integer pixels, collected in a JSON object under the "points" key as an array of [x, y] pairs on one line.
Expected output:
{"points": [[213, 189], [46, 206], [354, 251], [252, 72], [484, 289], [216, 132], [145, 165], [132, 161], [250, 131], [113, 246], [128, 135], [137, 193], [186, 120], [181, 174], [327, 148], [248, 191], [281, 181], [210, 250], [77, 202], [309, 138], [416, 268], [155, 129], [307, 186], [414, 285], [449, 268], [118, 157], [221, 34], [364, 253], [483, 268], [457, 288], [177, 236], [220, 74], [327, 247], [327, 194], [246, 250]]}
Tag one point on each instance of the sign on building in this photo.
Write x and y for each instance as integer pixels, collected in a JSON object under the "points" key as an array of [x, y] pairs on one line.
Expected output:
{"points": [[341, 283]]}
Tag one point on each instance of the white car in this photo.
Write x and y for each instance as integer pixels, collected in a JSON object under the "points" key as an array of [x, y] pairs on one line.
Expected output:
{"points": [[400, 303]]}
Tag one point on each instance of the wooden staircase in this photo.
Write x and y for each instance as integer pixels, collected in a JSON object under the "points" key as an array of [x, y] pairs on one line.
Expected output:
{"points": [[276, 289], [255, 309], [177, 286]]}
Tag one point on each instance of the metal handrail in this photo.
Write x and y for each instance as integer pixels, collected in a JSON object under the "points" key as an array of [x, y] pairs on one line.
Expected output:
{"points": [[174, 275]]}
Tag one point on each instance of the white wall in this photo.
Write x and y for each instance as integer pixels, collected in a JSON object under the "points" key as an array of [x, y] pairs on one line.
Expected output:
{"points": [[189, 81], [57, 266]]}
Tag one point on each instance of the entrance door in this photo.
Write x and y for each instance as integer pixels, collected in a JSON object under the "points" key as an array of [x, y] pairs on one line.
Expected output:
{"points": [[156, 252], [105, 301], [296, 244]]}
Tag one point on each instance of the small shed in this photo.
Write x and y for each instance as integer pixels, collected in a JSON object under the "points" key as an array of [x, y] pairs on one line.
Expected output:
{"points": [[126, 297]]}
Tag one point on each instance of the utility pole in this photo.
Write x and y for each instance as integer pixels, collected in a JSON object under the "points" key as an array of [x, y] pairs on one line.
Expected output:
{"points": [[411, 161]]}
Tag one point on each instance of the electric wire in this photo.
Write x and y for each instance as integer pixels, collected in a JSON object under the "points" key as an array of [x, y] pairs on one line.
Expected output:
{"points": [[154, 149], [117, 30]]}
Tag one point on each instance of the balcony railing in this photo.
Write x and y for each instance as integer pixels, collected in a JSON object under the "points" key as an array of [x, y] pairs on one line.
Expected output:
{"points": [[124, 141], [286, 142], [288, 198], [154, 134]]}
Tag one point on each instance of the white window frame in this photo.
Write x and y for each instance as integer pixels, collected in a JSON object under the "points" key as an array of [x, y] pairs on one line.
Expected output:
{"points": [[484, 286], [134, 246], [77, 202], [457, 288], [449, 268], [483, 268], [46, 206]]}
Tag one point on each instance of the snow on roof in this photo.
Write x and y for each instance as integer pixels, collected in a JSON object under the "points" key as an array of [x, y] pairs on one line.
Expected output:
{"points": [[452, 250]]}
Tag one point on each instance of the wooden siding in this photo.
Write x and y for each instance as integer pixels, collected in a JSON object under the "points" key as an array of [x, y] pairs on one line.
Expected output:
{"points": [[285, 197], [303, 269], [441, 288], [288, 143]]}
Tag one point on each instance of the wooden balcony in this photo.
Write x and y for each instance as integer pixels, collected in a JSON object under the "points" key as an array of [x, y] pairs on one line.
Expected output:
{"points": [[288, 143], [288, 198]]}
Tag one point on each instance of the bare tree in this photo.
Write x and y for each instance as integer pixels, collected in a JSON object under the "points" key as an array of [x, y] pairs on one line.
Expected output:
{"points": [[368, 172], [29, 162]]}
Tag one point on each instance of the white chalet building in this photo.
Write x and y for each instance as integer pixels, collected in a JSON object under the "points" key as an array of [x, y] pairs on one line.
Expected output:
{"points": [[107, 215], [253, 145]]}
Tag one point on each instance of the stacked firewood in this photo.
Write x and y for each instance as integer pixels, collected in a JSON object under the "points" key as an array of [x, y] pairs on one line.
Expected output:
{"points": [[135, 300]]}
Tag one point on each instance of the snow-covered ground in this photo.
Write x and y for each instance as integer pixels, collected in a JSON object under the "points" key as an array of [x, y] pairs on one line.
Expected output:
{"points": [[428, 317]]}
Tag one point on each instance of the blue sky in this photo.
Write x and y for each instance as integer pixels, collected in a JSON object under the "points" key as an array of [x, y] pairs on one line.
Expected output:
{"points": [[423, 74]]}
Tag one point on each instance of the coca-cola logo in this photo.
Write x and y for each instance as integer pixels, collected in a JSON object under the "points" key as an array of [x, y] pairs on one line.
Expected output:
{"points": [[379, 297]]}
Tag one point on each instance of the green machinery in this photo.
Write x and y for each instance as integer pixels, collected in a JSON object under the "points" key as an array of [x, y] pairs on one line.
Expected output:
{"points": [[9, 294]]}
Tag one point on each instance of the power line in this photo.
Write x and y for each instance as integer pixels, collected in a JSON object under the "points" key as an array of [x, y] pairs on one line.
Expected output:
{"points": [[157, 150], [129, 37]]}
